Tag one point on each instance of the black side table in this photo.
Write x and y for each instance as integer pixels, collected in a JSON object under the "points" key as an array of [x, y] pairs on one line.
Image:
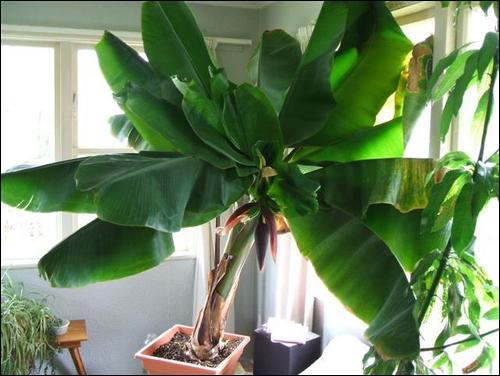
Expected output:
{"points": [[283, 358]]}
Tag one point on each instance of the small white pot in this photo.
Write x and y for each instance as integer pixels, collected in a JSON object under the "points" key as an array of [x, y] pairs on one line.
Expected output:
{"points": [[61, 329]]}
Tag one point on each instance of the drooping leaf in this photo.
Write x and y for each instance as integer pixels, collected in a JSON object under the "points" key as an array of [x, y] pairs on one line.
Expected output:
{"points": [[387, 196], [309, 100], [380, 142], [47, 188], [165, 128], [382, 49], [338, 245], [163, 193], [278, 57], [174, 44], [123, 129], [101, 251], [360, 184], [250, 118], [415, 97], [484, 359], [121, 64]]}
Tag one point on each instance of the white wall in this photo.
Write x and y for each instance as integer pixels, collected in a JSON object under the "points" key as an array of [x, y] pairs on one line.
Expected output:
{"points": [[119, 314]]}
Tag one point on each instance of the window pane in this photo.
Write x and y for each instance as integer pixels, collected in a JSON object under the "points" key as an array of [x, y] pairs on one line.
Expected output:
{"points": [[27, 137], [95, 105]]}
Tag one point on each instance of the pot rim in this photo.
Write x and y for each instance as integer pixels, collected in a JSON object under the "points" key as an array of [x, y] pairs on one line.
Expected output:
{"points": [[178, 327]]}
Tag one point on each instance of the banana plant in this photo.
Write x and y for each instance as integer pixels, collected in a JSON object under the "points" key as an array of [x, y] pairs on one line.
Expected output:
{"points": [[300, 143]]}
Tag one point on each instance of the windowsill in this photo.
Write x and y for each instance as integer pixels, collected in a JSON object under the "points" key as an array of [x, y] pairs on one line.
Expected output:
{"points": [[33, 264]]}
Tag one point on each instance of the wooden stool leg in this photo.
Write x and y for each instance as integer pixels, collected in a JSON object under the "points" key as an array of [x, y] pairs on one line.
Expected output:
{"points": [[77, 360]]}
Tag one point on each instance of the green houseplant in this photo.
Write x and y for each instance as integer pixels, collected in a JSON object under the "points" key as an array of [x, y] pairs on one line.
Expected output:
{"points": [[301, 144], [27, 337]]}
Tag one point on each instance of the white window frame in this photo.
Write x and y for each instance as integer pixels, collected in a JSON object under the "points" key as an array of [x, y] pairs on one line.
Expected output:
{"points": [[66, 43]]}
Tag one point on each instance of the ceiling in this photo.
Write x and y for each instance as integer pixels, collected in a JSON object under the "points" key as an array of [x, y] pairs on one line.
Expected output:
{"points": [[236, 4]]}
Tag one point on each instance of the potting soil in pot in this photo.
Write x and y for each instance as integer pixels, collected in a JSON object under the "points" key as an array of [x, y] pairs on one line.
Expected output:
{"points": [[178, 349]]}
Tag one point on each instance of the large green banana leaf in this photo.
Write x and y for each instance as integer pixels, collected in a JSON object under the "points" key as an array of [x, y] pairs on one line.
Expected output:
{"points": [[173, 42], [182, 191], [309, 100], [156, 192], [47, 188], [163, 125], [388, 196], [206, 121], [383, 141], [363, 273], [273, 65], [102, 251], [121, 64], [364, 85], [249, 118], [365, 233]]}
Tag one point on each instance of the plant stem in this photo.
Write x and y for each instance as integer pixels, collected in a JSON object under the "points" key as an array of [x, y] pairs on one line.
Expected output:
{"points": [[489, 106], [459, 342], [222, 283], [435, 283]]}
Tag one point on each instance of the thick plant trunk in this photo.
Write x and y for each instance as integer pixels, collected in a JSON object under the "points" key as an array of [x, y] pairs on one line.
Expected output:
{"points": [[222, 284]]}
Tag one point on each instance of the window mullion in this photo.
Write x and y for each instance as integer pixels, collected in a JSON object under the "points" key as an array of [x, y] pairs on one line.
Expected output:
{"points": [[444, 43], [67, 116]]}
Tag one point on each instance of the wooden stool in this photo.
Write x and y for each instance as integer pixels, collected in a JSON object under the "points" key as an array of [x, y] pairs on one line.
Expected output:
{"points": [[71, 340]]}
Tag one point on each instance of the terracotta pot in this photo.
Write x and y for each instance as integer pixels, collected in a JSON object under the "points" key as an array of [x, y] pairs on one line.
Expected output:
{"points": [[159, 366]]}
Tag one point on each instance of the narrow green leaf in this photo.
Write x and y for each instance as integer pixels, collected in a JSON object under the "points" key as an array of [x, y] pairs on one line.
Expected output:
{"points": [[441, 360], [423, 265], [174, 44], [464, 221], [442, 199], [492, 314], [452, 74], [487, 52], [102, 251], [443, 64], [467, 345], [47, 188]]}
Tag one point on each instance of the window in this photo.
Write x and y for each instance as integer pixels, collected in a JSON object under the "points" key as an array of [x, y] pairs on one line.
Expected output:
{"points": [[55, 106], [27, 137]]}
